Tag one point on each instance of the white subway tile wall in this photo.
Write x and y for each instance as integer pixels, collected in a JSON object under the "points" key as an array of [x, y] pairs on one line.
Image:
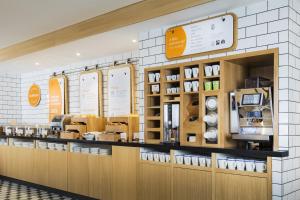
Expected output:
{"points": [[263, 25]]}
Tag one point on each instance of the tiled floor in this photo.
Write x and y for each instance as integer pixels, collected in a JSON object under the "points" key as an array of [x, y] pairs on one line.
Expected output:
{"points": [[14, 191]]}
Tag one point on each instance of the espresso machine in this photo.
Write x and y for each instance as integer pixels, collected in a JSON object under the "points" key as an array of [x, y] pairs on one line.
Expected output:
{"points": [[171, 123], [252, 115], [57, 125]]}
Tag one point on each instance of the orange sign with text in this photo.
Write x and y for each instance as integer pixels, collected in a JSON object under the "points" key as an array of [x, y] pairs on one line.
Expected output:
{"points": [[56, 101], [175, 42], [34, 95]]}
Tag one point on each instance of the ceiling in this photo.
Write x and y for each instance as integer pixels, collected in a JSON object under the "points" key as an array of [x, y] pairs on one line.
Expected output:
{"points": [[62, 13]]}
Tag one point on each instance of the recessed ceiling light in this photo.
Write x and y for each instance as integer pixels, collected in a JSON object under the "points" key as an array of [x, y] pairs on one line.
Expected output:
{"points": [[134, 41], [37, 63], [78, 54]]}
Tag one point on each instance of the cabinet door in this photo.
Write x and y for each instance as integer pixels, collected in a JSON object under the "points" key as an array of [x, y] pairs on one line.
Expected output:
{"points": [[124, 172], [237, 187], [78, 174], [3, 160], [25, 163], [57, 170], [13, 163], [154, 181], [100, 177], [40, 165], [190, 184]]}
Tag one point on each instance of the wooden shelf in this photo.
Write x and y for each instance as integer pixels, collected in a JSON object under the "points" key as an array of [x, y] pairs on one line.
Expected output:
{"points": [[153, 118], [187, 93], [171, 101], [211, 93], [153, 129], [149, 162], [191, 79], [153, 141], [242, 173], [210, 77], [172, 94], [153, 83], [153, 95], [192, 167], [176, 81]]}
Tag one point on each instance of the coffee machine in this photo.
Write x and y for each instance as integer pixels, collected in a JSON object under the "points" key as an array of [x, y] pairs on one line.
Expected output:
{"points": [[58, 124], [171, 123], [252, 115]]}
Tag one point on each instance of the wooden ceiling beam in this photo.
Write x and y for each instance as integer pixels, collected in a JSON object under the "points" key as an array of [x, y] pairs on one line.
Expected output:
{"points": [[122, 17]]}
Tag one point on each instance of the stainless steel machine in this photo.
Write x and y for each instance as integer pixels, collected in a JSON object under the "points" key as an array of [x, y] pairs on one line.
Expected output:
{"points": [[171, 123], [251, 113], [58, 124]]}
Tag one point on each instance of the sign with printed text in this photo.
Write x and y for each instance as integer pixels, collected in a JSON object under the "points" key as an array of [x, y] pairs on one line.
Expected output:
{"points": [[215, 34], [56, 96], [34, 95]]}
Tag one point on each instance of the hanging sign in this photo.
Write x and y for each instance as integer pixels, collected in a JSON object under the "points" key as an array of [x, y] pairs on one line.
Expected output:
{"points": [[213, 35], [57, 96], [121, 91], [90, 84], [34, 95]]}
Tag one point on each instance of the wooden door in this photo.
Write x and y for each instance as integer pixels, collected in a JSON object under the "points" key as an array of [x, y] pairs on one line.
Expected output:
{"points": [[237, 187], [124, 166], [57, 170], [191, 184], [154, 181], [40, 166], [78, 173]]}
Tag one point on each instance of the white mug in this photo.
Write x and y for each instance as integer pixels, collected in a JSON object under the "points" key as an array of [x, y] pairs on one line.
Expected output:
{"points": [[222, 163], [260, 166], [167, 157], [178, 90], [151, 77], [240, 165], [144, 156], [250, 165], [162, 157], [208, 70], [188, 72], [156, 157], [157, 77], [187, 160], [155, 88], [169, 77], [216, 69], [202, 161], [195, 160], [169, 90], [187, 86], [208, 161], [195, 86], [174, 77], [178, 77], [231, 164], [179, 159], [195, 71], [174, 90], [150, 156]]}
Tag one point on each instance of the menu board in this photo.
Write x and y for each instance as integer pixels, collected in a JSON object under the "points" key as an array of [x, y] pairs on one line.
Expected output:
{"points": [[57, 95], [34, 95], [119, 91], [213, 34], [89, 93]]}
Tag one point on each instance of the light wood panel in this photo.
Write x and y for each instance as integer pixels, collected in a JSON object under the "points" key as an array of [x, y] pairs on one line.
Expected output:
{"points": [[191, 184], [3, 160], [154, 181], [40, 167], [119, 18], [124, 165], [78, 173], [57, 170], [237, 187]]}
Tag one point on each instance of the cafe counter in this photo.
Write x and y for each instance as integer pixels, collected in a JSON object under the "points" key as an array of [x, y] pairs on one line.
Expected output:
{"points": [[117, 170]]}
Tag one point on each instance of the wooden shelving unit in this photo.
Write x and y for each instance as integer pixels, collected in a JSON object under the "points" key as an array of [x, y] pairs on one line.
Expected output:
{"points": [[232, 74]]}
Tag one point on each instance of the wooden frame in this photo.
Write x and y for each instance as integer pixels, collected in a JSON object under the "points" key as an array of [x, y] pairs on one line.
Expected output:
{"points": [[132, 84], [66, 94], [235, 38], [232, 73], [100, 88]]}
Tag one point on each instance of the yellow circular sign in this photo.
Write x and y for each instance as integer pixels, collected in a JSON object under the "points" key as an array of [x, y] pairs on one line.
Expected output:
{"points": [[34, 95]]}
